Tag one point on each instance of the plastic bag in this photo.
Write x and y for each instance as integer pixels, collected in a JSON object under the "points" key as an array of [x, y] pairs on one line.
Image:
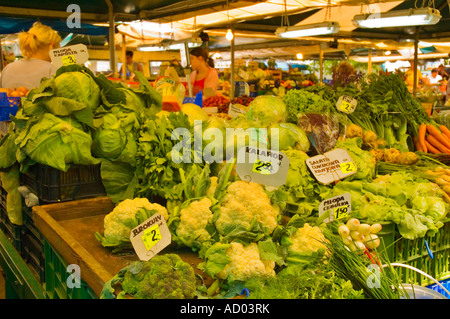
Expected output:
{"points": [[322, 130], [172, 93]]}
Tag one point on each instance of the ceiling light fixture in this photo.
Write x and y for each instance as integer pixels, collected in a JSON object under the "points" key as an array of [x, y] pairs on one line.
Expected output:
{"points": [[308, 30], [299, 56], [229, 36], [397, 18]]}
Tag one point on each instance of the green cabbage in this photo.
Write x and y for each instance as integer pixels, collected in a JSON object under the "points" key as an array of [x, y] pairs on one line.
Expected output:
{"points": [[56, 142], [79, 87], [289, 135], [109, 140], [267, 109]]}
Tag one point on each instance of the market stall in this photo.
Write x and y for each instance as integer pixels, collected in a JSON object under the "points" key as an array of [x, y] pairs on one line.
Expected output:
{"points": [[105, 185]]}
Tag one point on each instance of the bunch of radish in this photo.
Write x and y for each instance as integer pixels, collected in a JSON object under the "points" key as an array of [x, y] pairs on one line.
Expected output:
{"points": [[359, 236]]}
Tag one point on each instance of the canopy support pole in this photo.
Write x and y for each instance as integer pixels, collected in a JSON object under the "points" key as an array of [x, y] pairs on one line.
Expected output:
{"points": [[369, 66], [111, 41], [321, 65], [124, 58], [416, 60], [232, 89]]}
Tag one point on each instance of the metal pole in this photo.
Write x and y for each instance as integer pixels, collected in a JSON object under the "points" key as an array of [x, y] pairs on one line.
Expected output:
{"points": [[124, 58], [369, 67], [232, 67], [416, 60], [321, 65], [1, 55], [112, 55]]}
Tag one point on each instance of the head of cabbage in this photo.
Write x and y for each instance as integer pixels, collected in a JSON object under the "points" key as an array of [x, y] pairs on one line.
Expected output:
{"points": [[78, 86], [267, 109], [288, 135], [109, 140]]}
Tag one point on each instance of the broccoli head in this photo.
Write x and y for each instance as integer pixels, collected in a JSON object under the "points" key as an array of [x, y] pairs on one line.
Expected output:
{"points": [[162, 277]]}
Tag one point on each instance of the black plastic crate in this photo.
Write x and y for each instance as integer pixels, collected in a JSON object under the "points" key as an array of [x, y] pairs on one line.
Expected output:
{"points": [[33, 253], [3, 195], [51, 185], [12, 232]]}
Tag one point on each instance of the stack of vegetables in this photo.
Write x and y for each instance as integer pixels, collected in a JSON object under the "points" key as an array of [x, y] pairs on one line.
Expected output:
{"points": [[271, 239]]}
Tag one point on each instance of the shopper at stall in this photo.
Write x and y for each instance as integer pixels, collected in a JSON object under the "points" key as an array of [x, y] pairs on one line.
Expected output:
{"points": [[443, 71], [434, 77], [131, 66], [204, 77], [410, 76], [35, 45]]}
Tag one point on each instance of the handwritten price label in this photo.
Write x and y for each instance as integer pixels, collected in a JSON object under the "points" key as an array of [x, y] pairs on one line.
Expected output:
{"points": [[68, 60], [346, 104], [340, 212], [262, 167], [348, 167], [151, 236]]}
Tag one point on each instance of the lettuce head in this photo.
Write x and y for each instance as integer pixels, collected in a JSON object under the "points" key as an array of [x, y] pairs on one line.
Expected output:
{"points": [[288, 135], [267, 109]]}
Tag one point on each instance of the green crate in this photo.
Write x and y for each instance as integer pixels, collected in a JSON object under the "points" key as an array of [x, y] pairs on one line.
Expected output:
{"points": [[415, 253], [56, 275]]}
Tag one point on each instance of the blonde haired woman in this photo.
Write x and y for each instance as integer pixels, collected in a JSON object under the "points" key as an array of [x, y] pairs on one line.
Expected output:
{"points": [[35, 46]]}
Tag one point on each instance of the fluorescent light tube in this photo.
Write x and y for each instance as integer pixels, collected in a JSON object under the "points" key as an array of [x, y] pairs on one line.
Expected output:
{"points": [[308, 30], [397, 18]]}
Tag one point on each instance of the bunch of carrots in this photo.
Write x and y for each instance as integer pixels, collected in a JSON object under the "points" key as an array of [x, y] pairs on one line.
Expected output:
{"points": [[432, 139]]}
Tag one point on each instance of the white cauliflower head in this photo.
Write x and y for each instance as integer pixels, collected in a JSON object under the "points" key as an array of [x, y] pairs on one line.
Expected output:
{"points": [[243, 202], [193, 221], [245, 262], [119, 222]]}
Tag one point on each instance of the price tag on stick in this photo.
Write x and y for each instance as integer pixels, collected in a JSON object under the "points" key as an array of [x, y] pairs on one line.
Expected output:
{"points": [[346, 104], [336, 208], [332, 166], [150, 237], [263, 166], [73, 54]]}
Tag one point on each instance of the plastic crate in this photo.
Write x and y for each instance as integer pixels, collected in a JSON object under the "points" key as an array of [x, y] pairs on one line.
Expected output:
{"points": [[52, 185], [3, 195], [416, 254], [56, 275], [12, 232], [8, 106], [436, 287], [32, 243]]}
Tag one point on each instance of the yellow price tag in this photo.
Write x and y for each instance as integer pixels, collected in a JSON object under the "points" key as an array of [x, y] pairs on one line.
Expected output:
{"points": [[68, 59], [151, 236], [345, 106], [340, 212], [348, 167], [262, 167]]}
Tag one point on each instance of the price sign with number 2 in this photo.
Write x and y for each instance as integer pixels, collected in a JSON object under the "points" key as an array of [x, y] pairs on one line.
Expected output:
{"points": [[348, 167], [151, 236], [262, 167]]}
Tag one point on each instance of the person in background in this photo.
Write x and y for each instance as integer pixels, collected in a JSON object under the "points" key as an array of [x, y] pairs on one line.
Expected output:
{"points": [[203, 77], [35, 45], [443, 71], [410, 76], [434, 78], [131, 66]]}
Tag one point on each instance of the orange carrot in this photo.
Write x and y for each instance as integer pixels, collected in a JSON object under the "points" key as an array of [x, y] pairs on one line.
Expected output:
{"points": [[421, 137], [437, 144], [438, 135], [444, 129], [417, 144], [431, 148]]}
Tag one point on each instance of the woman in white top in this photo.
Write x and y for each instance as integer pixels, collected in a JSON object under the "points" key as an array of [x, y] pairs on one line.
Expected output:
{"points": [[35, 46]]}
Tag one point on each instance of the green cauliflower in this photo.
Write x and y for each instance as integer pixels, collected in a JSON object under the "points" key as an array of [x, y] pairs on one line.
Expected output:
{"points": [[164, 276]]}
